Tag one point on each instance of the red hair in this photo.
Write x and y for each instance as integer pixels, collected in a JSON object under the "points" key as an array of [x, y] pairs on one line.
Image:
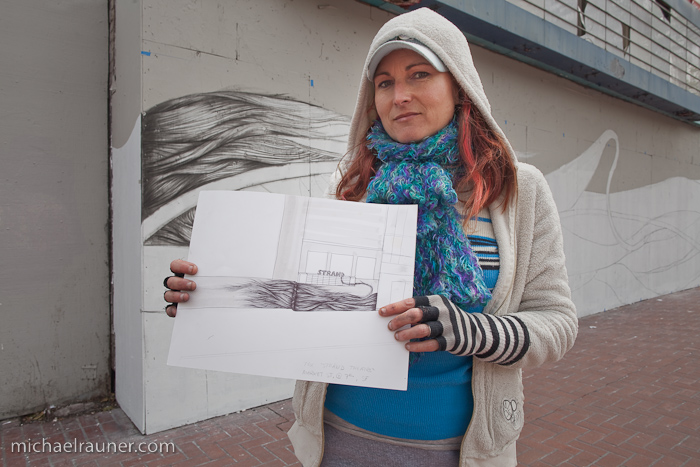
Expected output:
{"points": [[488, 168]]}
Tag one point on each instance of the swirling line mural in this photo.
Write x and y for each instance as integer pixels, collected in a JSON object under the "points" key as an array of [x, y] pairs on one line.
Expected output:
{"points": [[628, 245]]}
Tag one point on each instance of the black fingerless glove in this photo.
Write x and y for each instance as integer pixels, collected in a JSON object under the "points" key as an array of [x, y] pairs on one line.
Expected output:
{"points": [[498, 339]]}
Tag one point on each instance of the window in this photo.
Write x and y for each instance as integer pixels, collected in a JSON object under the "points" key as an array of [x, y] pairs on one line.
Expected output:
{"points": [[665, 9]]}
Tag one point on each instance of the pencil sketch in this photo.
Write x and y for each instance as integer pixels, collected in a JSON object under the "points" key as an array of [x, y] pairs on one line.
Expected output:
{"points": [[292, 295], [310, 272]]}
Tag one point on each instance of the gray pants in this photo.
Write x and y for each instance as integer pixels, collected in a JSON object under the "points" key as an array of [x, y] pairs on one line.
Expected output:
{"points": [[345, 450]]}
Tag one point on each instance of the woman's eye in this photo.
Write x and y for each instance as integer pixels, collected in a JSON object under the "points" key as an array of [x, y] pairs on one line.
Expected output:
{"points": [[383, 84], [421, 74]]}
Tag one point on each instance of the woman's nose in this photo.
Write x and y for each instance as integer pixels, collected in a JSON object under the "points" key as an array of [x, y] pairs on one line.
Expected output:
{"points": [[402, 93]]}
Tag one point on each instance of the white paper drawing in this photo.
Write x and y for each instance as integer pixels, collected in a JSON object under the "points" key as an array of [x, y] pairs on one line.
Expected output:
{"points": [[288, 286]]}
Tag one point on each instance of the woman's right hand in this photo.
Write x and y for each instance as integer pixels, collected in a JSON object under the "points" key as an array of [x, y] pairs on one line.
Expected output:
{"points": [[177, 285]]}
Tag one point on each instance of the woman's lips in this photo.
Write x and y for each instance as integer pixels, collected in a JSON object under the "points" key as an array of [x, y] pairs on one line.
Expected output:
{"points": [[405, 116]]}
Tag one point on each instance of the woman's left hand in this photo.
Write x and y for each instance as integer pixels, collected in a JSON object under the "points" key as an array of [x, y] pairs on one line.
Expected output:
{"points": [[406, 312], [445, 326]]}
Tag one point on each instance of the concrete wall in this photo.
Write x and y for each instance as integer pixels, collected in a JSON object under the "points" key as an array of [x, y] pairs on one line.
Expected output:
{"points": [[625, 179], [54, 292]]}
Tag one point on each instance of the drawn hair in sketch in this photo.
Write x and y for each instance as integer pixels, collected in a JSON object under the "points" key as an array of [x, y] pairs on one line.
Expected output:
{"points": [[298, 296], [191, 141]]}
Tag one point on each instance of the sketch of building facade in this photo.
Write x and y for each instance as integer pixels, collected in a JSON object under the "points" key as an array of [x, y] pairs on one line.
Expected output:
{"points": [[259, 278]]}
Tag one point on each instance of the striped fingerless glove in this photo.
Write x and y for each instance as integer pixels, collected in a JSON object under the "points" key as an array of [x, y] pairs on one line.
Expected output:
{"points": [[498, 339]]}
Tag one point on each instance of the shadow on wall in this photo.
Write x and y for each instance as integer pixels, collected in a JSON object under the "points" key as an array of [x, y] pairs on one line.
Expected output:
{"points": [[230, 140]]}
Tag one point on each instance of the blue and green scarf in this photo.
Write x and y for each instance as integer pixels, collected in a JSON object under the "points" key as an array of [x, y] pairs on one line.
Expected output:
{"points": [[421, 173]]}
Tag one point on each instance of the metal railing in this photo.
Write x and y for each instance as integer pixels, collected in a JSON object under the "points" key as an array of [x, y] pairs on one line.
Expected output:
{"points": [[648, 33]]}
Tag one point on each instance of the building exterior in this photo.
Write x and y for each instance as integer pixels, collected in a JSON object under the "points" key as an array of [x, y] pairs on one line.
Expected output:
{"points": [[602, 96], [54, 204]]}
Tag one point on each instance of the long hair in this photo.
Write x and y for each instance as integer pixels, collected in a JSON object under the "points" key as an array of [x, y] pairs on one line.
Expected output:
{"points": [[193, 140], [297, 296], [487, 169]]}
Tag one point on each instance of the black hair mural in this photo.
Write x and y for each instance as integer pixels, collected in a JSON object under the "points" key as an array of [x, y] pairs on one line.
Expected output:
{"points": [[191, 141]]}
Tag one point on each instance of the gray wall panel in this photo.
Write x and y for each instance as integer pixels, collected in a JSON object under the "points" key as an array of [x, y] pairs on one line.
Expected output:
{"points": [[54, 297]]}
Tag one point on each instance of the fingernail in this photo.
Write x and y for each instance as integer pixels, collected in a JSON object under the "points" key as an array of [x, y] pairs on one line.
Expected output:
{"points": [[391, 325], [408, 347], [190, 270], [191, 286], [382, 311], [183, 297]]}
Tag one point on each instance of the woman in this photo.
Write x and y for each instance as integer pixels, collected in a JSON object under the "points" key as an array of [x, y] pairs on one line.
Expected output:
{"points": [[484, 307]]}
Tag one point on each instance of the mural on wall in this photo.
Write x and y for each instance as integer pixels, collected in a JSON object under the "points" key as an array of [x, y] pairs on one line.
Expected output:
{"points": [[630, 245], [621, 247], [231, 140]]}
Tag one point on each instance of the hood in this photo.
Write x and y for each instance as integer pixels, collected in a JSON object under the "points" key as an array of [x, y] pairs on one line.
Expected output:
{"points": [[448, 43]]}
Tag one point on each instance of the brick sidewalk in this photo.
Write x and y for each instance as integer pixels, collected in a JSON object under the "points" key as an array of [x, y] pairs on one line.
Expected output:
{"points": [[626, 395]]}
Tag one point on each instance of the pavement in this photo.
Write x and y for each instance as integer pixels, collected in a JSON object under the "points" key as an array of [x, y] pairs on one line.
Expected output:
{"points": [[627, 394]]}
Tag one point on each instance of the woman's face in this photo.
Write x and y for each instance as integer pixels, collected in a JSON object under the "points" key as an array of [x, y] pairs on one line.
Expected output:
{"points": [[413, 99]]}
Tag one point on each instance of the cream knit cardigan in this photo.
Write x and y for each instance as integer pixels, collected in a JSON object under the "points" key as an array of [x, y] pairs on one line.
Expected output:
{"points": [[532, 280]]}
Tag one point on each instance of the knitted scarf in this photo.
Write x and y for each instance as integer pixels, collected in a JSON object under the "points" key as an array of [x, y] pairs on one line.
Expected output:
{"points": [[421, 173]]}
